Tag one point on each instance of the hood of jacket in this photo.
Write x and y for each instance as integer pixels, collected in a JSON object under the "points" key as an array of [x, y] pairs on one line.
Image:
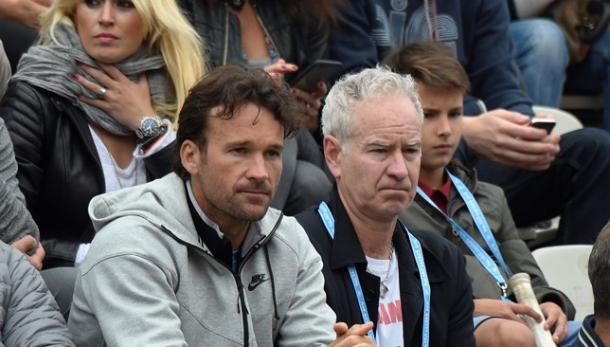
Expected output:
{"points": [[162, 204]]}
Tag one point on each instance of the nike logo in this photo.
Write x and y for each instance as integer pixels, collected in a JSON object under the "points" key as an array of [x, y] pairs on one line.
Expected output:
{"points": [[256, 281]]}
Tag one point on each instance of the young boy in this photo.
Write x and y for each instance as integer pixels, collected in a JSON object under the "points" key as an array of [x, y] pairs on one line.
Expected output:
{"points": [[449, 196]]}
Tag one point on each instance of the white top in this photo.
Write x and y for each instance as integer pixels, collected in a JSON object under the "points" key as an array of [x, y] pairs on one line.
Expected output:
{"points": [[389, 322], [116, 178]]}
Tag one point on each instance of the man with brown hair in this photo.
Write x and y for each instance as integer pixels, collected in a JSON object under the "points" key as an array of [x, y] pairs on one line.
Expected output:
{"points": [[473, 215], [198, 257]]}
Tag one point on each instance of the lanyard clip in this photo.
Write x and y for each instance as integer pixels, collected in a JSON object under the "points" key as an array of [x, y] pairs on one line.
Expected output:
{"points": [[504, 289]]}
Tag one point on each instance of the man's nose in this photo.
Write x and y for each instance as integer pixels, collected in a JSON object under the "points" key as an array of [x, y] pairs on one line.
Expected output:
{"points": [[257, 169], [398, 166]]}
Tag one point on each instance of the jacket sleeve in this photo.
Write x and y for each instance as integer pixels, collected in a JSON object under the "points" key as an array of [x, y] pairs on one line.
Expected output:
{"points": [[124, 299], [160, 163], [460, 329], [32, 316], [520, 259], [309, 320], [15, 219], [24, 111], [490, 66], [351, 42]]}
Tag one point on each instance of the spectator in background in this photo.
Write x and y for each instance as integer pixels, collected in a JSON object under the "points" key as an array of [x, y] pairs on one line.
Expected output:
{"points": [[542, 55], [206, 262], [84, 109], [443, 206], [19, 21], [595, 331], [28, 313], [412, 286], [542, 174], [282, 37]]}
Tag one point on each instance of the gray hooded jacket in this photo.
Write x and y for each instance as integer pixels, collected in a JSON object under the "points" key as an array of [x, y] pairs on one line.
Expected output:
{"points": [[148, 280]]}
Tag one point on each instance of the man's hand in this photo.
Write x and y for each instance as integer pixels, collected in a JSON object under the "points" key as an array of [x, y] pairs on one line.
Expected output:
{"points": [[354, 336], [503, 309], [25, 245], [556, 320], [506, 138], [25, 12]]}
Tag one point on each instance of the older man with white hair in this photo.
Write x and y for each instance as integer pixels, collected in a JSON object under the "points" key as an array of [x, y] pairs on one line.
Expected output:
{"points": [[413, 287]]}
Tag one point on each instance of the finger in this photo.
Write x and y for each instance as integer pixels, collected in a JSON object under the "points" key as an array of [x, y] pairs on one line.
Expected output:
{"points": [[92, 86], [100, 76], [551, 319], [513, 117], [99, 103], [113, 72], [37, 258], [526, 310], [25, 243], [321, 90], [340, 328], [524, 132], [360, 329], [561, 328]]}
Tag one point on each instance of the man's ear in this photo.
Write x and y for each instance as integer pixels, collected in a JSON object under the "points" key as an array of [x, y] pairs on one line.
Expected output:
{"points": [[190, 157], [333, 154]]}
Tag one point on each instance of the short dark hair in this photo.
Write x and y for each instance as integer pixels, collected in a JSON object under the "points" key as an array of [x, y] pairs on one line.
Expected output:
{"points": [[599, 273], [223, 91], [431, 63]]}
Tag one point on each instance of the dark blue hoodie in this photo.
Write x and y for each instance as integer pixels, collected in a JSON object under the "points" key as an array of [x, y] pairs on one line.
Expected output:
{"points": [[476, 30]]}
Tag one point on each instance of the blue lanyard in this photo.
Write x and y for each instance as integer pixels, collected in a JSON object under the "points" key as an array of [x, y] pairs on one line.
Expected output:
{"points": [[481, 222], [329, 223]]}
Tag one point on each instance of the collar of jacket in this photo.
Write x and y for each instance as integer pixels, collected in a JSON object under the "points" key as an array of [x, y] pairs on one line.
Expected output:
{"points": [[346, 250]]}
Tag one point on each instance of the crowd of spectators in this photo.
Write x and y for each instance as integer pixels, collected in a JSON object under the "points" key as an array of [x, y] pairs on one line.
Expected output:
{"points": [[153, 151]]}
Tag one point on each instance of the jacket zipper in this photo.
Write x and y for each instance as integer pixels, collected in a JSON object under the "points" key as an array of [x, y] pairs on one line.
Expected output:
{"points": [[236, 275]]}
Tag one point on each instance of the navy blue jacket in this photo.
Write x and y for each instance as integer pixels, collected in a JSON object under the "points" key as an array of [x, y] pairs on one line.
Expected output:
{"points": [[451, 298], [476, 30]]}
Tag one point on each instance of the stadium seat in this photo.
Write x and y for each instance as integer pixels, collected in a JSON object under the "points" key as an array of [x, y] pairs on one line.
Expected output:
{"points": [[565, 268]]}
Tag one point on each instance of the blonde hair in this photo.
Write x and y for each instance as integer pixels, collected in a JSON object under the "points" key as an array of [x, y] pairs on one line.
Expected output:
{"points": [[166, 32]]}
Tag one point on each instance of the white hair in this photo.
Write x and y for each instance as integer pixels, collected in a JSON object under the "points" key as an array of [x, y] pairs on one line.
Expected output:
{"points": [[362, 86]]}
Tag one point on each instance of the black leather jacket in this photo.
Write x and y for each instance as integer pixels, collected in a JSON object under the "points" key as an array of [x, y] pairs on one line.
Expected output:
{"points": [[299, 43], [59, 168]]}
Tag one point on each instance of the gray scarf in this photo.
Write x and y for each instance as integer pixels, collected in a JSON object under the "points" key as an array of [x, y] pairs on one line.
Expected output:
{"points": [[50, 67]]}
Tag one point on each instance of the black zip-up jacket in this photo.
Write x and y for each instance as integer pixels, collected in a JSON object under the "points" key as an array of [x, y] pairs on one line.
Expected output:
{"points": [[300, 43], [59, 168], [451, 294]]}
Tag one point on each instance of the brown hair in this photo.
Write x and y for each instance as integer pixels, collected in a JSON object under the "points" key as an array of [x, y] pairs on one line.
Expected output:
{"points": [[430, 63], [221, 93]]}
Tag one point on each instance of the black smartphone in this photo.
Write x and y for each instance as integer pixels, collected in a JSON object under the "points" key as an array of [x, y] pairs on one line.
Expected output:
{"points": [[320, 70], [543, 123]]}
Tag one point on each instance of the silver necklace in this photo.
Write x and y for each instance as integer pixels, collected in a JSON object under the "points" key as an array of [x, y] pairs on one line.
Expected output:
{"points": [[383, 285]]}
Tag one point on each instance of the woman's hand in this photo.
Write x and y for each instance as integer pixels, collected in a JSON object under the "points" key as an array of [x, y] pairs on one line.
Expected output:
{"points": [[280, 68], [128, 102], [313, 103]]}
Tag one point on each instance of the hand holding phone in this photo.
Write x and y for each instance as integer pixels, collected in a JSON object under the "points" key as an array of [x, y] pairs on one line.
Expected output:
{"points": [[320, 70], [543, 123]]}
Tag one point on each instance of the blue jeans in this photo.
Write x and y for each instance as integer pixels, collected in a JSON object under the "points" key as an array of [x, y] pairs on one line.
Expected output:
{"points": [[542, 56], [592, 75], [576, 186]]}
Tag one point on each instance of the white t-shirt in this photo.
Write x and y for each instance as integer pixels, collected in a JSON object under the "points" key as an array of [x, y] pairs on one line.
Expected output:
{"points": [[389, 322]]}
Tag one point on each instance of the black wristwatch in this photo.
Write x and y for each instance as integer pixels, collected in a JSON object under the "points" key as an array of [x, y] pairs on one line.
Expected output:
{"points": [[150, 128]]}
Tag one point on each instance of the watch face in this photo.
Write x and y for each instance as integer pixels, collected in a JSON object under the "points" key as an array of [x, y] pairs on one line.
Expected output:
{"points": [[148, 127]]}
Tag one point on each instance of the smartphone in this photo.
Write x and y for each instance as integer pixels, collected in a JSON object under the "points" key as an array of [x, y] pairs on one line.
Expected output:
{"points": [[320, 70], [543, 123]]}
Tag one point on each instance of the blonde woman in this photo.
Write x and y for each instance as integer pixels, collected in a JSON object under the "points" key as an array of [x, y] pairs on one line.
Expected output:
{"points": [[90, 109]]}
